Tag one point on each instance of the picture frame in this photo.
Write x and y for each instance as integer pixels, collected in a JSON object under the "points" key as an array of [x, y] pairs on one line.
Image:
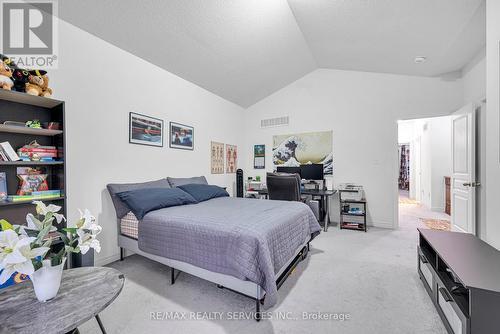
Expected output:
{"points": [[217, 157], [181, 136], [145, 130], [231, 158], [259, 156]]}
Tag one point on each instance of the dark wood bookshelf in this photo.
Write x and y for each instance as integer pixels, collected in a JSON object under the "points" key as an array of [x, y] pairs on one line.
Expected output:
{"points": [[53, 199], [22, 107], [28, 131], [30, 163]]}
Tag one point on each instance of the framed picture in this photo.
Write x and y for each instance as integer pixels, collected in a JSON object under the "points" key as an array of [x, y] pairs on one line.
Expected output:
{"points": [[259, 156], [231, 158], [181, 136], [217, 158], [145, 130], [301, 148]]}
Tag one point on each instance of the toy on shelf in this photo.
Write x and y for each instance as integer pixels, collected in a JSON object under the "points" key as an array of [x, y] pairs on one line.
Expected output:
{"points": [[38, 84], [5, 74], [33, 82], [34, 124]]}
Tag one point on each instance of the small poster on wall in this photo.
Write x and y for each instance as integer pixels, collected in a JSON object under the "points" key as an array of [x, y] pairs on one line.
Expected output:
{"points": [[181, 136], [145, 130], [217, 158], [231, 158], [259, 156]]}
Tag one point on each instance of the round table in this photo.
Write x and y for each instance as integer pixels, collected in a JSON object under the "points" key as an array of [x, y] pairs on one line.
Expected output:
{"points": [[83, 294]]}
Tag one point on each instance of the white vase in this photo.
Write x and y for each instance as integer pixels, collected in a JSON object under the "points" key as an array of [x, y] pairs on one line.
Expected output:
{"points": [[47, 280]]}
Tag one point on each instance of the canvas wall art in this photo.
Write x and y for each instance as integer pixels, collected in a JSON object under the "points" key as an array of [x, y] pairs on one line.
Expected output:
{"points": [[231, 158], [181, 136], [217, 158], [302, 148], [145, 130]]}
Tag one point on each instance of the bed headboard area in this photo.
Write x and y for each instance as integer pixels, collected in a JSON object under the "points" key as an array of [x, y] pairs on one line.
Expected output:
{"points": [[122, 209]]}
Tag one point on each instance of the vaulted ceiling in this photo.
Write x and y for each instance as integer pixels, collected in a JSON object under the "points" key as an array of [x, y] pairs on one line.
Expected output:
{"points": [[245, 50]]}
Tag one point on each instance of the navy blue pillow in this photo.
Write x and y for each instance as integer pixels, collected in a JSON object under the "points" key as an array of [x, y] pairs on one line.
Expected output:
{"points": [[203, 192], [141, 201]]}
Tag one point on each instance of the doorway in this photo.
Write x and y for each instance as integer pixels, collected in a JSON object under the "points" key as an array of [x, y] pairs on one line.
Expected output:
{"points": [[425, 168]]}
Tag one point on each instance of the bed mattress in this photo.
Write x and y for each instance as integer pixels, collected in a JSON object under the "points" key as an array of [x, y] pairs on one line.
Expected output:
{"points": [[249, 239]]}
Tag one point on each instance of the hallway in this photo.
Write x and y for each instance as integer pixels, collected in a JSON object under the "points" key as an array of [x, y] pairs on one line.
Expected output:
{"points": [[412, 215]]}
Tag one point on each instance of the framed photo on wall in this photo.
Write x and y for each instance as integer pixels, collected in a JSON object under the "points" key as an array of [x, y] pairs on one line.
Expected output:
{"points": [[259, 156], [231, 158], [181, 136], [145, 130], [217, 158]]}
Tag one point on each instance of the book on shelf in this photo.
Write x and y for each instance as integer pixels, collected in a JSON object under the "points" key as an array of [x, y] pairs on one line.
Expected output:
{"points": [[9, 151], [3, 185], [41, 195]]}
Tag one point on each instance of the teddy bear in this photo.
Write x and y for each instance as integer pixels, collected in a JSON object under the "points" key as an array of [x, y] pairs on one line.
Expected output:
{"points": [[38, 84], [5, 73]]}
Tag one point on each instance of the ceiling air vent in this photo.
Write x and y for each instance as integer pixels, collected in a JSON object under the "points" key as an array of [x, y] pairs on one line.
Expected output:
{"points": [[272, 122]]}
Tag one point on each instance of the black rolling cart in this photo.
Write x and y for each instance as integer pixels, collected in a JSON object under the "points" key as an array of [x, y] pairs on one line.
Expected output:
{"points": [[352, 211]]}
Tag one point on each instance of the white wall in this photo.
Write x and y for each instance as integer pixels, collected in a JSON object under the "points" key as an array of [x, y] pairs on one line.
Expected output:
{"points": [[362, 109], [492, 186], [435, 157], [474, 78], [101, 84], [440, 132]]}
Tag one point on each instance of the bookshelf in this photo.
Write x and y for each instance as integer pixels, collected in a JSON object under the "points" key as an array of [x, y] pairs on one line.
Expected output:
{"points": [[22, 107], [352, 220]]}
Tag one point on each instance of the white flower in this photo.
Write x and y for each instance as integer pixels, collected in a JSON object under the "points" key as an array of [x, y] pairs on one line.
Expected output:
{"points": [[43, 210], [88, 222], [35, 224], [16, 254], [87, 231], [87, 241]]}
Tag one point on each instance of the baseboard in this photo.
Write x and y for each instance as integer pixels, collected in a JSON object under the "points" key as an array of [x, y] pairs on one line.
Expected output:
{"points": [[107, 260], [437, 209], [388, 225]]}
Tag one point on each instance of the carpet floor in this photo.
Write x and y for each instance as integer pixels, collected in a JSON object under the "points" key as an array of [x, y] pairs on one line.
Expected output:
{"points": [[371, 278]]}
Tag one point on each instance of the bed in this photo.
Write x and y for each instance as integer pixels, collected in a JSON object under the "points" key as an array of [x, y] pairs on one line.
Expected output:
{"points": [[249, 246]]}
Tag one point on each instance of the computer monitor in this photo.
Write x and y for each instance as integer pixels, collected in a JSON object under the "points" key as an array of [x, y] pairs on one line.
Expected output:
{"points": [[287, 169], [312, 172]]}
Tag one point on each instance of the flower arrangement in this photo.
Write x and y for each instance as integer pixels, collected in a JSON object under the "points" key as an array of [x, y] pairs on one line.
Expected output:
{"points": [[25, 248]]}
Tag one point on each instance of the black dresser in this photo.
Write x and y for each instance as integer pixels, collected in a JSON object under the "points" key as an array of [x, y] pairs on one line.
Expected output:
{"points": [[461, 273]]}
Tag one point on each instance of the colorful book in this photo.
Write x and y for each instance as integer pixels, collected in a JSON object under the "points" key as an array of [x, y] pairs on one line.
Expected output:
{"points": [[3, 186]]}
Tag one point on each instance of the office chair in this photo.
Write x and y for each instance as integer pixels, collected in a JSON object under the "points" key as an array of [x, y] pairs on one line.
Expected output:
{"points": [[283, 187]]}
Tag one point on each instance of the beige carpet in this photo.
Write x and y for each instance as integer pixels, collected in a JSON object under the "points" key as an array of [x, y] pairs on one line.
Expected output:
{"points": [[437, 224], [406, 200]]}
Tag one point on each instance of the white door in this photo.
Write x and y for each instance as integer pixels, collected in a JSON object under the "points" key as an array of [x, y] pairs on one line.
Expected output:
{"points": [[463, 182]]}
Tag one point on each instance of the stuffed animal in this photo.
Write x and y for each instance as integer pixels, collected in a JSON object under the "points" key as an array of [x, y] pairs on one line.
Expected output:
{"points": [[38, 84], [5, 73], [20, 78]]}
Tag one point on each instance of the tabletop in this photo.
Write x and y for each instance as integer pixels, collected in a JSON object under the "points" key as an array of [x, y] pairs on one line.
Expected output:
{"points": [[83, 294], [315, 192]]}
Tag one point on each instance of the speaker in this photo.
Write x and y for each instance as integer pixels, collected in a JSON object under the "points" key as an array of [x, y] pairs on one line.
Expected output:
{"points": [[239, 183]]}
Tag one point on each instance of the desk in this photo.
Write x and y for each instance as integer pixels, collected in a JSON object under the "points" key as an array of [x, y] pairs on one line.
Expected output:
{"points": [[83, 294], [324, 194]]}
